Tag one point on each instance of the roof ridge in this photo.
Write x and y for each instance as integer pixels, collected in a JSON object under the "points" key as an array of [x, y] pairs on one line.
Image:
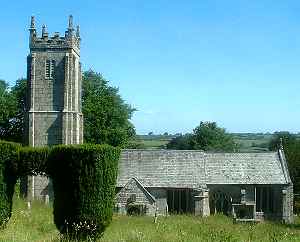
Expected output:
{"points": [[198, 151], [284, 165], [142, 186]]}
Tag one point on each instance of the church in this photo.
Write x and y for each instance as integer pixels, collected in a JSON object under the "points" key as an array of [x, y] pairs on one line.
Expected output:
{"points": [[246, 186]]}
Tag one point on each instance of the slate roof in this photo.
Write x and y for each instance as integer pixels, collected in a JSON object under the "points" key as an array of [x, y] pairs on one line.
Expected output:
{"points": [[190, 169]]}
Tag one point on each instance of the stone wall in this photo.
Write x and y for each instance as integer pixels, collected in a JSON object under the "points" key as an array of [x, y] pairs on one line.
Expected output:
{"points": [[161, 200], [287, 209], [48, 92]]}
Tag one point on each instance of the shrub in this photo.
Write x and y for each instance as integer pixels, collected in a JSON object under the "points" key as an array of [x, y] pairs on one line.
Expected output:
{"points": [[8, 178], [33, 161], [84, 178]]}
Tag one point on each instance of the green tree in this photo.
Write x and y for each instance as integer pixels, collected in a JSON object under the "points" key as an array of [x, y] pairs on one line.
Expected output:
{"points": [[106, 115], [207, 136], [17, 124], [281, 138], [8, 110], [12, 110], [182, 142], [291, 147], [292, 153]]}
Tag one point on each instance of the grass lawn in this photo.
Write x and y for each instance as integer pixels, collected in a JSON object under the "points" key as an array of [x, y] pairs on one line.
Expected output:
{"points": [[37, 225]]}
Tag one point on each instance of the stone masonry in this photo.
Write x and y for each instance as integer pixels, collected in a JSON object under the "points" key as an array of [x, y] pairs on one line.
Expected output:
{"points": [[54, 94]]}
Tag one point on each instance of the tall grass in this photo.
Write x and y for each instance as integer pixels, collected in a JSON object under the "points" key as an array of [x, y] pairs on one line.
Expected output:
{"points": [[37, 225], [29, 225]]}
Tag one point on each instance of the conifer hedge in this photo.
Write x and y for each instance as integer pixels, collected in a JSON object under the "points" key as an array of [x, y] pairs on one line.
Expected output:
{"points": [[84, 179], [83, 176], [33, 161], [8, 178]]}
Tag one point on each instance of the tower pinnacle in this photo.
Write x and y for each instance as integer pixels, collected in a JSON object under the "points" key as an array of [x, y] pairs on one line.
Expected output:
{"points": [[32, 29], [32, 23], [71, 22], [78, 31], [44, 31], [70, 27]]}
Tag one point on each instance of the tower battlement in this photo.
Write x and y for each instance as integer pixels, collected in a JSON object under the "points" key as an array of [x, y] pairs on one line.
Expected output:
{"points": [[71, 39]]}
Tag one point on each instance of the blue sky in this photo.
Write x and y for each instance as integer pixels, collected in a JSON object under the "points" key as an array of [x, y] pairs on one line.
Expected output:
{"points": [[179, 62]]}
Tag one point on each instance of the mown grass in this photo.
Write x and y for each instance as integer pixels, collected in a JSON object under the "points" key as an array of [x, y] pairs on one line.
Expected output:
{"points": [[37, 225]]}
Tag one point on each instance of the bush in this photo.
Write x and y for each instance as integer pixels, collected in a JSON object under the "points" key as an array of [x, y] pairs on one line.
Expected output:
{"points": [[182, 142], [8, 178], [33, 161], [84, 179]]}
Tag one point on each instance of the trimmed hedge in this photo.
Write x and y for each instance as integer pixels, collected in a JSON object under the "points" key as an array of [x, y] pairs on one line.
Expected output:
{"points": [[8, 178], [33, 161], [84, 179], [83, 176]]}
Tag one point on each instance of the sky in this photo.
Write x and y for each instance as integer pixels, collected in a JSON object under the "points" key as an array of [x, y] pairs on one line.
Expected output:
{"points": [[178, 62]]}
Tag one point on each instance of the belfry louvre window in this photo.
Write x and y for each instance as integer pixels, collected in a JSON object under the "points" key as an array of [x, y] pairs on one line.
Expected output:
{"points": [[49, 69]]}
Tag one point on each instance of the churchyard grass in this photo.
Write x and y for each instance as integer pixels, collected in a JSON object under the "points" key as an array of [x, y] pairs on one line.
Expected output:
{"points": [[37, 225]]}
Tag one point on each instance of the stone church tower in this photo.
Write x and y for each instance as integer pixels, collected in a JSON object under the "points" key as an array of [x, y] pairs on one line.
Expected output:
{"points": [[54, 94]]}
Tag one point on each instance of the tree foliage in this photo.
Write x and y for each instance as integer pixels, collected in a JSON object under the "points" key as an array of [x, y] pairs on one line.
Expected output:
{"points": [[207, 136], [182, 142], [281, 138], [106, 115], [291, 147], [17, 123], [12, 110], [7, 109]]}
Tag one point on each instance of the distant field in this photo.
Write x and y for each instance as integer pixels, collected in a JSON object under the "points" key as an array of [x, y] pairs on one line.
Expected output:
{"points": [[155, 144], [252, 142], [248, 142], [37, 225]]}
